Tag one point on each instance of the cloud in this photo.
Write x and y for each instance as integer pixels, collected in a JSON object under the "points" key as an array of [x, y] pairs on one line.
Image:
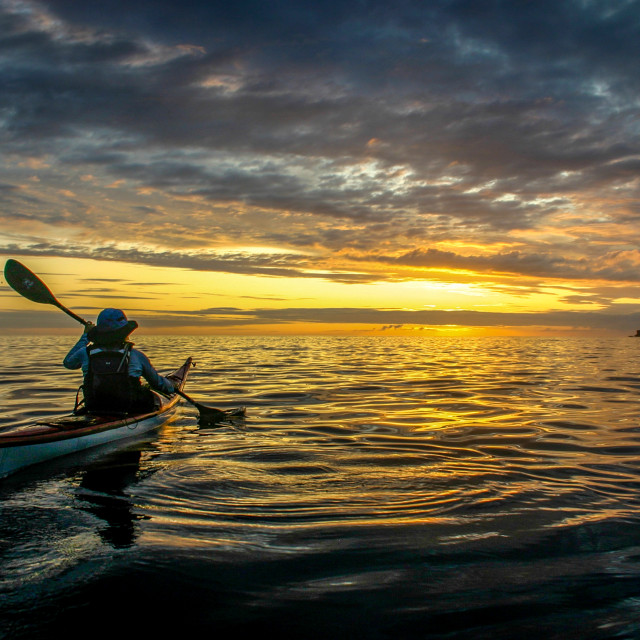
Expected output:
{"points": [[361, 140], [617, 265], [228, 318], [274, 265], [433, 317]]}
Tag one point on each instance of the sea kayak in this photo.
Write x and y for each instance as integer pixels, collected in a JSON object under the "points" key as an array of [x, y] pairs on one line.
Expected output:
{"points": [[24, 446]]}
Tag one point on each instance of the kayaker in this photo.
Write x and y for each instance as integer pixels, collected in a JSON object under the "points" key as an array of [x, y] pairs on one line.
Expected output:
{"points": [[112, 368]]}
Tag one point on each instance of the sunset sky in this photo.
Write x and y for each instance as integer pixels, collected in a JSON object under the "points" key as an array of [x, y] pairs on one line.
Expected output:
{"points": [[421, 167]]}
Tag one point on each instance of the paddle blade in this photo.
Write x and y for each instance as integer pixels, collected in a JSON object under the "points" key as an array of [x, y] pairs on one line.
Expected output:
{"points": [[210, 417], [27, 284]]}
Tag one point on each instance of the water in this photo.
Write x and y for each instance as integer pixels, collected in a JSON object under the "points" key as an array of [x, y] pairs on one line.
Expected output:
{"points": [[378, 488]]}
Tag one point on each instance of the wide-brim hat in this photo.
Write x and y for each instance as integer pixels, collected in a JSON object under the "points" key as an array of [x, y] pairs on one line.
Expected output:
{"points": [[112, 324]]}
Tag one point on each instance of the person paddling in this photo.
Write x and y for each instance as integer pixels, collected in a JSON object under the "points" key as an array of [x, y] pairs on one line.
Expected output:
{"points": [[112, 368]]}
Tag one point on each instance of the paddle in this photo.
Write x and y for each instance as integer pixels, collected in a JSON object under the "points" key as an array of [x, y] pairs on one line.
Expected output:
{"points": [[27, 284], [207, 414]]}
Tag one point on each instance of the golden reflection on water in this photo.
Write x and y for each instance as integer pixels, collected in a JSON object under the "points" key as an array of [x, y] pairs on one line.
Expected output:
{"points": [[483, 488], [352, 432]]}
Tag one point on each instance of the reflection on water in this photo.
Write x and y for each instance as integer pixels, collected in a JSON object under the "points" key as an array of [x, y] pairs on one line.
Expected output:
{"points": [[379, 487], [102, 492]]}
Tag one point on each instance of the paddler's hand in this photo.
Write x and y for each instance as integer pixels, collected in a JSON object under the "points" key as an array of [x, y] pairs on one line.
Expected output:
{"points": [[174, 381], [88, 327]]}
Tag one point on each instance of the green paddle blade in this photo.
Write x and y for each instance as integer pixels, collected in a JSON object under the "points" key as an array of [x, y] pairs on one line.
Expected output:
{"points": [[27, 284]]}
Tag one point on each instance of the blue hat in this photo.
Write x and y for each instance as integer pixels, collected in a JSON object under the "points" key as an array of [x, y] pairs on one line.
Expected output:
{"points": [[112, 322]]}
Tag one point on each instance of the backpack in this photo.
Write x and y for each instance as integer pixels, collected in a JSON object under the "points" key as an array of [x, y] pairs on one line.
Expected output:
{"points": [[107, 385]]}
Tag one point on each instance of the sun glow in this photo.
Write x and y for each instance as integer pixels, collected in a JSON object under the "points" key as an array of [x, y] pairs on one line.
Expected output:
{"points": [[188, 301]]}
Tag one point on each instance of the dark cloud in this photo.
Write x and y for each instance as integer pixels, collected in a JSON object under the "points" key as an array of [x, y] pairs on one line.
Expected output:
{"points": [[389, 317], [620, 266], [384, 319], [272, 265]]}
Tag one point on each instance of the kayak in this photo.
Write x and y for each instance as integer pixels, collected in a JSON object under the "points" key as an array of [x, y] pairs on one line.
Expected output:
{"points": [[24, 446]]}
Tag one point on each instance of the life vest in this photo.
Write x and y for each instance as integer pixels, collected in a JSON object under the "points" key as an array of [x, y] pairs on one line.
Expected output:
{"points": [[108, 387]]}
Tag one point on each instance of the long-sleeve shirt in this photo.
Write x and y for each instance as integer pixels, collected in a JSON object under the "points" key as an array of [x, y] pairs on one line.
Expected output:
{"points": [[139, 365]]}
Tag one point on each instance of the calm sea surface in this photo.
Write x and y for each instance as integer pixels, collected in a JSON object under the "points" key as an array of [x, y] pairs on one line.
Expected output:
{"points": [[378, 488]]}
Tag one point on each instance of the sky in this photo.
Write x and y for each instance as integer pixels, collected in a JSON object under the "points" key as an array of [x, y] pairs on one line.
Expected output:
{"points": [[416, 167]]}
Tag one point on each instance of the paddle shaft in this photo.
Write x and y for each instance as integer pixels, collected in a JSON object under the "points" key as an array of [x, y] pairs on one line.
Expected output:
{"points": [[70, 313], [204, 411]]}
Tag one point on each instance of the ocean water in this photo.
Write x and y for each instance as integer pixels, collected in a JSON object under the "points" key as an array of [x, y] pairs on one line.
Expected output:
{"points": [[378, 488]]}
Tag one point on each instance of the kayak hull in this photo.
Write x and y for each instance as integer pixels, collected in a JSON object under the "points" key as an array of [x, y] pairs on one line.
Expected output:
{"points": [[43, 441], [14, 458]]}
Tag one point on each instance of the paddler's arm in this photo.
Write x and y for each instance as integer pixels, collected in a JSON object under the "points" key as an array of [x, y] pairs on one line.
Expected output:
{"points": [[77, 356], [141, 366]]}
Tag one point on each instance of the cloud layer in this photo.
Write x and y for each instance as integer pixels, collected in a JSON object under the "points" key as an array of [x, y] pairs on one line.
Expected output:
{"points": [[358, 142]]}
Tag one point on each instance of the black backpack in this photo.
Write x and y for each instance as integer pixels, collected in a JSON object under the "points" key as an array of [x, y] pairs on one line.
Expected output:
{"points": [[107, 385]]}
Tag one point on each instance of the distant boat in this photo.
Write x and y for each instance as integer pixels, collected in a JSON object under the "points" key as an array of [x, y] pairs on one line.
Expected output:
{"points": [[637, 334]]}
